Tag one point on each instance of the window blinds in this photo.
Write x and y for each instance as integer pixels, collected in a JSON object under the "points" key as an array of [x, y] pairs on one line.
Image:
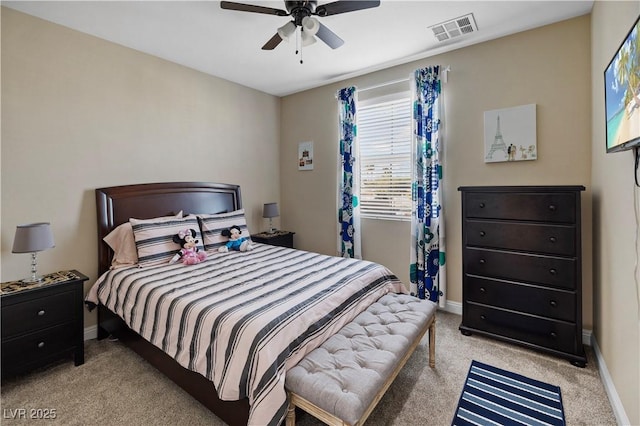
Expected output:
{"points": [[384, 136]]}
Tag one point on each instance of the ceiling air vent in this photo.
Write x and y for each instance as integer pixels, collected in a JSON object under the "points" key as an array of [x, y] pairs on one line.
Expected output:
{"points": [[455, 27]]}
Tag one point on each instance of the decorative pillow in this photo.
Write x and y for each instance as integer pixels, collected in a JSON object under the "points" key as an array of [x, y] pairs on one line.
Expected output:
{"points": [[154, 238], [123, 244], [212, 226]]}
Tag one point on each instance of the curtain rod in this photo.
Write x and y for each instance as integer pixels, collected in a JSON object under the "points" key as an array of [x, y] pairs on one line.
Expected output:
{"points": [[445, 75]]}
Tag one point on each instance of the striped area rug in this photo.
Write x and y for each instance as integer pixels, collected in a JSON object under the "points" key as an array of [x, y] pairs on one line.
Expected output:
{"points": [[492, 396]]}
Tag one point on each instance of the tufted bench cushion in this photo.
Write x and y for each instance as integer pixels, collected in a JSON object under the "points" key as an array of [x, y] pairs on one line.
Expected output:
{"points": [[341, 381]]}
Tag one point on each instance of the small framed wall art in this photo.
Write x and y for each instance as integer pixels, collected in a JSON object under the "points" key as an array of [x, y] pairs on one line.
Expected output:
{"points": [[305, 156], [510, 134]]}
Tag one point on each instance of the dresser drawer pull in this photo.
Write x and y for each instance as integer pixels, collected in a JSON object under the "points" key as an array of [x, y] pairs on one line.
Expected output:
{"points": [[553, 239], [553, 303], [41, 312], [552, 271], [482, 233], [482, 205], [482, 261], [41, 345], [552, 207], [482, 317], [553, 334], [483, 290]]}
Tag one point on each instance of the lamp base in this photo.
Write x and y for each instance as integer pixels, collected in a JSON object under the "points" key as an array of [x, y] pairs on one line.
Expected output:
{"points": [[33, 280]]}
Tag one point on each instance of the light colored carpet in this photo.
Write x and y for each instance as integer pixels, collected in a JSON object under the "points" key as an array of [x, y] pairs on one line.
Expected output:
{"points": [[116, 387]]}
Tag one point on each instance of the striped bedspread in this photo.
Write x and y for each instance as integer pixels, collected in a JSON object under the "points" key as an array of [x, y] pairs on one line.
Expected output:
{"points": [[242, 319]]}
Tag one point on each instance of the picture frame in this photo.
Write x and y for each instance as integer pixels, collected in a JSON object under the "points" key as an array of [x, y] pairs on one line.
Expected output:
{"points": [[305, 155], [510, 134]]}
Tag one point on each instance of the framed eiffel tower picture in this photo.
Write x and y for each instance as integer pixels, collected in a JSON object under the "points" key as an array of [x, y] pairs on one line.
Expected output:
{"points": [[510, 134]]}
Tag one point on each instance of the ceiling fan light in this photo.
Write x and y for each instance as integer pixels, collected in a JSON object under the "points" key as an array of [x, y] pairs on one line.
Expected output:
{"points": [[287, 30], [311, 25], [307, 38]]}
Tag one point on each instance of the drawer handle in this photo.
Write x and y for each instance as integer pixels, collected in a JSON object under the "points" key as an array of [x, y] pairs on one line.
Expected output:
{"points": [[482, 317], [41, 345], [482, 233], [483, 290], [482, 205], [553, 303], [41, 312], [482, 261], [552, 207], [553, 271], [553, 334], [553, 239]]}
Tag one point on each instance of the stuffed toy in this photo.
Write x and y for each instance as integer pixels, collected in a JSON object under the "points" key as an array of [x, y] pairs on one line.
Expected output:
{"points": [[189, 253], [236, 242]]}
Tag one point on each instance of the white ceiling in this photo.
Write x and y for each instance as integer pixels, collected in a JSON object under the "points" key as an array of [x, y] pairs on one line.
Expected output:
{"points": [[227, 44]]}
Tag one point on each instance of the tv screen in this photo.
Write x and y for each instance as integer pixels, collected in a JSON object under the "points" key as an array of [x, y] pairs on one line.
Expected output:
{"points": [[622, 94]]}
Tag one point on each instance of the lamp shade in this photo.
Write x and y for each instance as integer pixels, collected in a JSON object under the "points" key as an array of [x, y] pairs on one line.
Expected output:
{"points": [[270, 210], [287, 30], [310, 25], [307, 39], [33, 237]]}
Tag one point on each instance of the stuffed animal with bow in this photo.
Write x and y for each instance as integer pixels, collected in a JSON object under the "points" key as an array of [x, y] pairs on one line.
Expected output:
{"points": [[190, 254], [236, 241]]}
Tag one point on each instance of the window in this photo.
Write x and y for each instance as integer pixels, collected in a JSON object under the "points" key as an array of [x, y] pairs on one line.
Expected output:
{"points": [[384, 137]]}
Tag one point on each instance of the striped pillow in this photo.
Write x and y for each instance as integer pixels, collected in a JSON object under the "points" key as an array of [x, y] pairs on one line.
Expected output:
{"points": [[154, 238], [212, 226]]}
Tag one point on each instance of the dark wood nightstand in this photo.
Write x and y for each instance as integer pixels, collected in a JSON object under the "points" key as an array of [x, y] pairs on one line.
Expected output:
{"points": [[277, 238], [42, 322]]}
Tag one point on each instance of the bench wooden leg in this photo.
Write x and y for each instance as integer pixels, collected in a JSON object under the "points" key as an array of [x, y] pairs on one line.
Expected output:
{"points": [[432, 344], [291, 415]]}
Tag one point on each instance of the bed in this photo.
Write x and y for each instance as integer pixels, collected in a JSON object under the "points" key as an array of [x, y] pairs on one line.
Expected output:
{"points": [[324, 294]]}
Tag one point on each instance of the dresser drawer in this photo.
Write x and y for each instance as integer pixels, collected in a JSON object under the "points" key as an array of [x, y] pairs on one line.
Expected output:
{"points": [[551, 334], [551, 239], [37, 347], [34, 314], [531, 299], [531, 268], [543, 207]]}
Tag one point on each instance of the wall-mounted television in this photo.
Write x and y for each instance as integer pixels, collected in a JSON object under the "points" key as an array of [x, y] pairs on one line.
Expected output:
{"points": [[622, 94]]}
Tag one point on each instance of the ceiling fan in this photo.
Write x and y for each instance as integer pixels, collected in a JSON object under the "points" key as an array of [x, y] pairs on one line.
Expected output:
{"points": [[302, 13]]}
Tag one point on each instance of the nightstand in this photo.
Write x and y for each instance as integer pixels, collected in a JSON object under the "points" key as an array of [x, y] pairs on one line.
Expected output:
{"points": [[277, 238], [42, 322]]}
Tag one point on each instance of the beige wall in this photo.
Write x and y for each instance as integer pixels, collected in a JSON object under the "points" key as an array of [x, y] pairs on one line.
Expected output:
{"points": [[547, 66], [79, 113], [615, 226]]}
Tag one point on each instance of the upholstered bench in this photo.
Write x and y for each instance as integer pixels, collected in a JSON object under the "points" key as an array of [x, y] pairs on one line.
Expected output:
{"points": [[341, 381]]}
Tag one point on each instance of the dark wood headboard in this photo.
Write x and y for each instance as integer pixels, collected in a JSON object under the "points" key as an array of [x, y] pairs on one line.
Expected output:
{"points": [[116, 204]]}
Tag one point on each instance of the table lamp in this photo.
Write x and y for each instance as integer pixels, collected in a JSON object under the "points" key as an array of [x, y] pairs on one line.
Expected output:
{"points": [[270, 210], [32, 238]]}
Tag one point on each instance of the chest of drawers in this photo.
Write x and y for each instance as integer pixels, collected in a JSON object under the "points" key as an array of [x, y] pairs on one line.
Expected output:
{"points": [[522, 266], [42, 323]]}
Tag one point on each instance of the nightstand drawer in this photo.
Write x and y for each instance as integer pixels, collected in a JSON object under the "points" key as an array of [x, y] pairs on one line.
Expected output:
{"points": [[539, 238], [37, 313], [37, 347]]}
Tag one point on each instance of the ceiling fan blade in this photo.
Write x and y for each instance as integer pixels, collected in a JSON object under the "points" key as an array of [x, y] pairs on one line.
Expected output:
{"points": [[272, 43], [345, 6], [251, 8], [329, 37]]}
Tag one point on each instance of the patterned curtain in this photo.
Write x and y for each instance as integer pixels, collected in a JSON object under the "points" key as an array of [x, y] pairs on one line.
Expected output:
{"points": [[427, 221], [348, 190]]}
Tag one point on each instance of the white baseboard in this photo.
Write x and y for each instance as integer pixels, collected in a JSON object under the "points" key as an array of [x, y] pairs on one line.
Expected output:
{"points": [[609, 387], [91, 332]]}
